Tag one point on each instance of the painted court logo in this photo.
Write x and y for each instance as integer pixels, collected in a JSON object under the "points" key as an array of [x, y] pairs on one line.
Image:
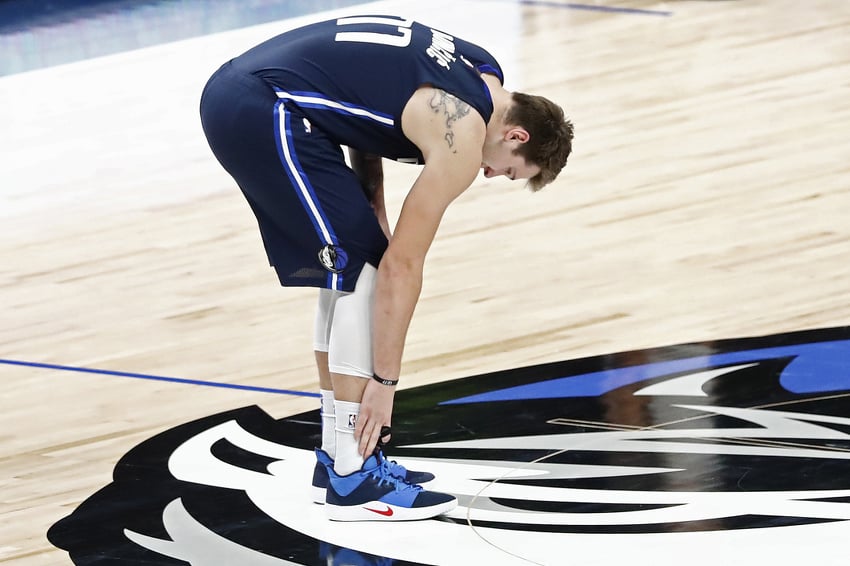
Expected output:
{"points": [[676, 442]]}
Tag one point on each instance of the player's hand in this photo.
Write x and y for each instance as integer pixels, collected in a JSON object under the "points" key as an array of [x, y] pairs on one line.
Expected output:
{"points": [[376, 409]]}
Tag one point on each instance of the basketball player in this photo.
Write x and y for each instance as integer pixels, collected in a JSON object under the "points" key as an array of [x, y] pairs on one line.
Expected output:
{"points": [[277, 118]]}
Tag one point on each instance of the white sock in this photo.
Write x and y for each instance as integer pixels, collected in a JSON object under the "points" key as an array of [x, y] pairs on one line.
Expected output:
{"points": [[348, 458], [328, 422]]}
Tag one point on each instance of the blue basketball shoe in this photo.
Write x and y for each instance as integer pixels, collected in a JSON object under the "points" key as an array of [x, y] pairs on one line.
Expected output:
{"points": [[324, 461], [374, 493]]}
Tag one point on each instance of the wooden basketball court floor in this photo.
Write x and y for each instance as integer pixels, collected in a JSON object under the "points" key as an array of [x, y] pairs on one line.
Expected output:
{"points": [[707, 198]]}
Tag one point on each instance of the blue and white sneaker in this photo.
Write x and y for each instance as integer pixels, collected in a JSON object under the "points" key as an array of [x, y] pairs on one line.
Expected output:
{"points": [[324, 461], [374, 494]]}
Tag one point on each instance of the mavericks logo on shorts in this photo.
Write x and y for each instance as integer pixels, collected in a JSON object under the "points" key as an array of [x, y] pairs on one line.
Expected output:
{"points": [[333, 258]]}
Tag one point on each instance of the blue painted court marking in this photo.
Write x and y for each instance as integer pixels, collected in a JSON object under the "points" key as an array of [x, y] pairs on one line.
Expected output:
{"points": [[817, 367], [161, 378], [596, 8]]}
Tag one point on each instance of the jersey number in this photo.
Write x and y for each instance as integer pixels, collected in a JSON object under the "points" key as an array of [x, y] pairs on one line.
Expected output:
{"points": [[400, 39]]}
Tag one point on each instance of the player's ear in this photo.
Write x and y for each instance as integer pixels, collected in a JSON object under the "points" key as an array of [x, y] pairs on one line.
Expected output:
{"points": [[516, 133]]}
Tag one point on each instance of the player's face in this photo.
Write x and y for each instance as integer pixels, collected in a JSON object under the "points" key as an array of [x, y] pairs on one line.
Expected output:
{"points": [[510, 165], [499, 158]]}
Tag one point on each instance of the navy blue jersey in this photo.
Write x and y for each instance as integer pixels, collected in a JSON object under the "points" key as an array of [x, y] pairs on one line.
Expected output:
{"points": [[351, 77]]}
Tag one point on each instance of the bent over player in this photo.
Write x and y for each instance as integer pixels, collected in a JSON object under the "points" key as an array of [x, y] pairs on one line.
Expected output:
{"points": [[277, 118]]}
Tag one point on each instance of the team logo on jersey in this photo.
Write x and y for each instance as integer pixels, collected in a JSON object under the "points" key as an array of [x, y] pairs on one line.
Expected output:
{"points": [[333, 258], [723, 438]]}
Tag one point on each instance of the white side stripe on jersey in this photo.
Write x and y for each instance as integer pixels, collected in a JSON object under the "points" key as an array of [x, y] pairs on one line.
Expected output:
{"points": [[297, 176], [318, 101]]}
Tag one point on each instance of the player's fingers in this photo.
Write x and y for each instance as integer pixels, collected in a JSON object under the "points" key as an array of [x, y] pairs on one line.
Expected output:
{"points": [[363, 424], [368, 440], [358, 426]]}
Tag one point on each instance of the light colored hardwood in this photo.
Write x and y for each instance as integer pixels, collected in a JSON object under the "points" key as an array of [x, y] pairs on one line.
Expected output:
{"points": [[708, 197]]}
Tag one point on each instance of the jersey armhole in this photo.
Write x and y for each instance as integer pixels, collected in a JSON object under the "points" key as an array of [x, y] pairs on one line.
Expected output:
{"points": [[490, 69]]}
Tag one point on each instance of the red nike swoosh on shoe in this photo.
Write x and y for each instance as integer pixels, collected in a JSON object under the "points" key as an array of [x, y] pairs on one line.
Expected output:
{"points": [[387, 513]]}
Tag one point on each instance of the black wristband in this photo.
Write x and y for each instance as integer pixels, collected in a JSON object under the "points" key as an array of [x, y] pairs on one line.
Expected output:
{"points": [[383, 381]]}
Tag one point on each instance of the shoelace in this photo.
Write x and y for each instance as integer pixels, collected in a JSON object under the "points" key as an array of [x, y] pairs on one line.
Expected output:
{"points": [[394, 467], [383, 473]]}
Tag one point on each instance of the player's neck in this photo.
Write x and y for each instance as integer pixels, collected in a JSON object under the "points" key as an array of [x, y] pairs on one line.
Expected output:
{"points": [[501, 98], [496, 88]]}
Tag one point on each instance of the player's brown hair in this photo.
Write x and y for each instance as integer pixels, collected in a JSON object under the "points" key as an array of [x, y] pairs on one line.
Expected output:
{"points": [[550, 135]]}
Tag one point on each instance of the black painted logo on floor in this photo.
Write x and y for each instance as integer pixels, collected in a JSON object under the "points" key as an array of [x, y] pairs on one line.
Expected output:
{"points": [[724, 437]]}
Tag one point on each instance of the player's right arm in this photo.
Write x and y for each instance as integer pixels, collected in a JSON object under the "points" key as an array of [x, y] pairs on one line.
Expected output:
{"points": [[369, 169]]}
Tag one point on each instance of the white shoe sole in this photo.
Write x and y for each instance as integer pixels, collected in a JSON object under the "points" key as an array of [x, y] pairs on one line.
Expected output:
{"points": [[318, 494], [380, 511]]}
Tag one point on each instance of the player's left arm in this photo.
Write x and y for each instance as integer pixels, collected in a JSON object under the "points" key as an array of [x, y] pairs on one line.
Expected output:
{"points": [[450, 135]]}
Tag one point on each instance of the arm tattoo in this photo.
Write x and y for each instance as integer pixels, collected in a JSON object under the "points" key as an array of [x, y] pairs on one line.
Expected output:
{"points": [[451, 108]]}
